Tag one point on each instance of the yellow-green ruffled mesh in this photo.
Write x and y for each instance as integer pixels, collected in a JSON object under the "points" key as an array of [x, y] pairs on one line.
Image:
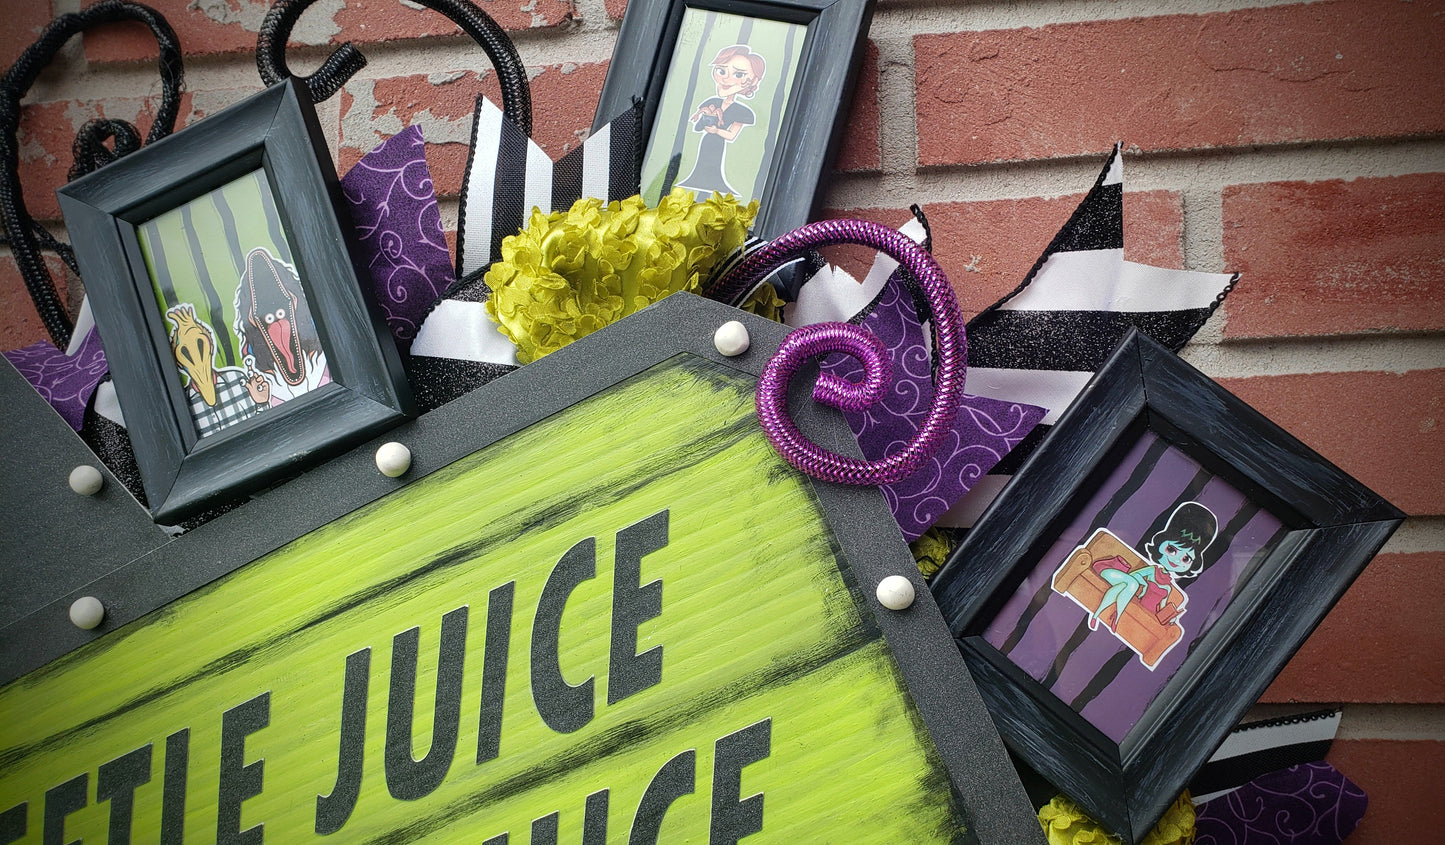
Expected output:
{"points": [[569, 273]]}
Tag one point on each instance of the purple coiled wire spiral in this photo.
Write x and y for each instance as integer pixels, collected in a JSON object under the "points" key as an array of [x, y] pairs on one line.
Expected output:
{"points": [[821, 338]]}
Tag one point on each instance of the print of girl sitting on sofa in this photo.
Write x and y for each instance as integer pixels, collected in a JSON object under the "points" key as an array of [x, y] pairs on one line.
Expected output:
{"points": [[1136, 596]]}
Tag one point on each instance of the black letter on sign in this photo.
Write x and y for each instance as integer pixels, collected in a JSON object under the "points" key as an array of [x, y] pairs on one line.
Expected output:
{"points": [[563, 707], [406, 777], [627, 671], [239, 782], [333, 810], [117, 781], [61, 801], [733, 819], [675, 779], [173, 798], [499, 839], [544, 830], [494, 671], [594, 819], [12, 823]]}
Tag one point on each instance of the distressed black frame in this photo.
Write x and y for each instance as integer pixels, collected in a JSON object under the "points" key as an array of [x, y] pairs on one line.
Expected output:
{"points": [[1335, 526], [812, 129], [276, 132]]}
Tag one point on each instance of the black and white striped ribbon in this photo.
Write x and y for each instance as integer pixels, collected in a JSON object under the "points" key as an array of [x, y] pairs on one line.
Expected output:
{"points": [[1043, 342], [508, 175], [1261, 747]]}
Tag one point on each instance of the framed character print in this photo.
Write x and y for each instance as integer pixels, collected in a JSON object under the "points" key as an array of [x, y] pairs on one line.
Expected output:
{"points": [[267, 351], [1145, 576], [237, 334], [740, 97]]}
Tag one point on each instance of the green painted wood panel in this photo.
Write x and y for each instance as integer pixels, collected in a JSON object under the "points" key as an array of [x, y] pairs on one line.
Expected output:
{"points": [[757, 623]]}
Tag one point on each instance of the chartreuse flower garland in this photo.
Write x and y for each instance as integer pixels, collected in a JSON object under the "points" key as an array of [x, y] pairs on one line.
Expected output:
{"points": [[570, 273], [1065, 824], [931, 550]]}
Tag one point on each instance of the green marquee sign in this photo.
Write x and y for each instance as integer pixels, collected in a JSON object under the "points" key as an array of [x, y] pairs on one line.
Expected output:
{"points": [[623, 621]]}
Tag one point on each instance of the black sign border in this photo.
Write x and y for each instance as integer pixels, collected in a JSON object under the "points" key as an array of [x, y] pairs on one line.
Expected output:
{"points": [[944, 692]]}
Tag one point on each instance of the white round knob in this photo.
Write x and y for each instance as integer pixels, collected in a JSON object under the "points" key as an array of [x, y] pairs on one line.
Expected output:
{"points": [[393, 459], [86, 480], [87, 612], [895, 592], [731, 338]]}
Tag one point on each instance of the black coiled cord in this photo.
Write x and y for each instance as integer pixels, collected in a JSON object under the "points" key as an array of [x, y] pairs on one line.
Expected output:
{"points": [[25, 236]]}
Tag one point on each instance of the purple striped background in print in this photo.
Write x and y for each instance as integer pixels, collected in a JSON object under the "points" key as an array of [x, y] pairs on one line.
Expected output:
{"points": [[1046, 634]]}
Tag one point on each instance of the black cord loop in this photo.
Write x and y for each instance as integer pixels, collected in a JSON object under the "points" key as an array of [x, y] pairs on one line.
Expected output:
{"points": [[90, 150], [346, 60], [21, 231]]}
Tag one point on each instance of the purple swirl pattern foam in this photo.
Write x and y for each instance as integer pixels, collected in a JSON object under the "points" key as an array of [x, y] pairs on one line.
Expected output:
{"points": [[398, 231], [1310, 804], [66, 381], [984, 432]]}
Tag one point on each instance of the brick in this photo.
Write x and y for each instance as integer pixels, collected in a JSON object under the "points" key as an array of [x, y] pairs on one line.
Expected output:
{"points": [[22, 325], [47, 135], [1336, 257], [1386, 429], [564, 101], [209, 27], [23, 23], [365, 21], [564, 98], [1401, 779], [1278, 75], [616, 9], [860, 148], [1354, 656]]}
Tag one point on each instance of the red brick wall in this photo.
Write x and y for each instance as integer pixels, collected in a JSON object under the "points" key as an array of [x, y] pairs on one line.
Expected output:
{"points": [[1300, 143]]}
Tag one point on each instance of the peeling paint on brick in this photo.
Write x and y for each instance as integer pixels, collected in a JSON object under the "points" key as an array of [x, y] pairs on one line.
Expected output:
{"points": [[316, 26], [206, 103], [361, 128], [31, 151], [78, 114], [530, 8], [440, 130], [248, 15], [366, 121]]}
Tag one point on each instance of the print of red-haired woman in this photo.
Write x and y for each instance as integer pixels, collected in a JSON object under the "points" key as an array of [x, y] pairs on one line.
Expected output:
{"points": [[736, 72]]}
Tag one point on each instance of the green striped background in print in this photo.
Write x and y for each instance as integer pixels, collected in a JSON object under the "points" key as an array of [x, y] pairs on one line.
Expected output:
{"points": [[196, 252], [756, 624]]}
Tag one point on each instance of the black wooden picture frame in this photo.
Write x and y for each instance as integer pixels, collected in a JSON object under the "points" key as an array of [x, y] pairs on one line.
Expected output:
{"points": [[1331, 526], [812, 128], [275, 135]]}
